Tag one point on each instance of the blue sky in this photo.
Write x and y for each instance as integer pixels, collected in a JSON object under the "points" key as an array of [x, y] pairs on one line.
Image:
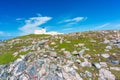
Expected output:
{"points": [[21, 17]]}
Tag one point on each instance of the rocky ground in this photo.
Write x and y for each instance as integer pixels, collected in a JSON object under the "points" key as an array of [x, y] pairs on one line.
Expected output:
{"points": [[93, 55]]}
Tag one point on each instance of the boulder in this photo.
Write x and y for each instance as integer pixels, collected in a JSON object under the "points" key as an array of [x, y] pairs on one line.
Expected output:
{"points": [[88, 74], [81, 52], [97, 65], [31, 71], [105, 75], [53, 43], [108, 47], [115, 61], [68, 76], [75, 53], [42, 71], [81, 44], [78, 61], [85, 63], [67, 53], [115, 68], [105, 55], [106, 41], [15, 54], [53, 54], [103, 64]]}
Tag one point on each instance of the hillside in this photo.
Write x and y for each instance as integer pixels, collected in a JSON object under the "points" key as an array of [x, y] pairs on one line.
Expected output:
{"points": [[93, 55]]}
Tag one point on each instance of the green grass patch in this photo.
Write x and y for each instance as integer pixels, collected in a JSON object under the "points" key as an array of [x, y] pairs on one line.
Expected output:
{"points": [[116, 73], [70, 46], [34, 36], [6, 58]]}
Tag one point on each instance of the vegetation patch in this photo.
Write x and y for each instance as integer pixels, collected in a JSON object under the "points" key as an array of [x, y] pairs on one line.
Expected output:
{"points": [[6, 58]]}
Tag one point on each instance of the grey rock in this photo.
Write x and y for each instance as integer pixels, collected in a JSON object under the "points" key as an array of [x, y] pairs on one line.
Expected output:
{"points": [[81, 52], [103, 64], [39, 62], [105, 55], [81, 44], [2, 44], [86, 63], [105, 75], [63, 49], [21, 66], [69, 76], [97, 65], [31, 71], [106, 41], [42, 42], [115, 61], [4, 73], [53, 67], [88, 74], [53, 54], [108, 47], [115, 68], [67, 53], [78, 61], [75, 52], [22, 77]]}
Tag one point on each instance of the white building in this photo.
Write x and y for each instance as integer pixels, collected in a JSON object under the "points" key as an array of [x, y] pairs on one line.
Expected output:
{"points": [[43, 31]]}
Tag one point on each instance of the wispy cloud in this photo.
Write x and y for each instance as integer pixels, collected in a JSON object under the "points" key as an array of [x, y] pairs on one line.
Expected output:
{"points": [[66, 29], [18, 19], [102, 26], [74, 20], [33, 23]]}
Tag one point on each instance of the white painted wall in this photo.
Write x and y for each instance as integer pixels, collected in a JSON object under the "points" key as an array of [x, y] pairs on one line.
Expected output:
{"points": [[43, 31]]}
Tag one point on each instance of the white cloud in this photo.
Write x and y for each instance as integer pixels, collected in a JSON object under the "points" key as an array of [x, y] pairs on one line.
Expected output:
{"points": [[18, 19], [73, 20], [66, 29], [33, 23], [102, 26], [76, 19]]}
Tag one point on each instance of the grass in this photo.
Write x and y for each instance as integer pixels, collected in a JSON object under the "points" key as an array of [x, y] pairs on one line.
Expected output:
{"points": [[84, 38], [70, 46], [8, 57], [116, 73], [34, 36]]}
